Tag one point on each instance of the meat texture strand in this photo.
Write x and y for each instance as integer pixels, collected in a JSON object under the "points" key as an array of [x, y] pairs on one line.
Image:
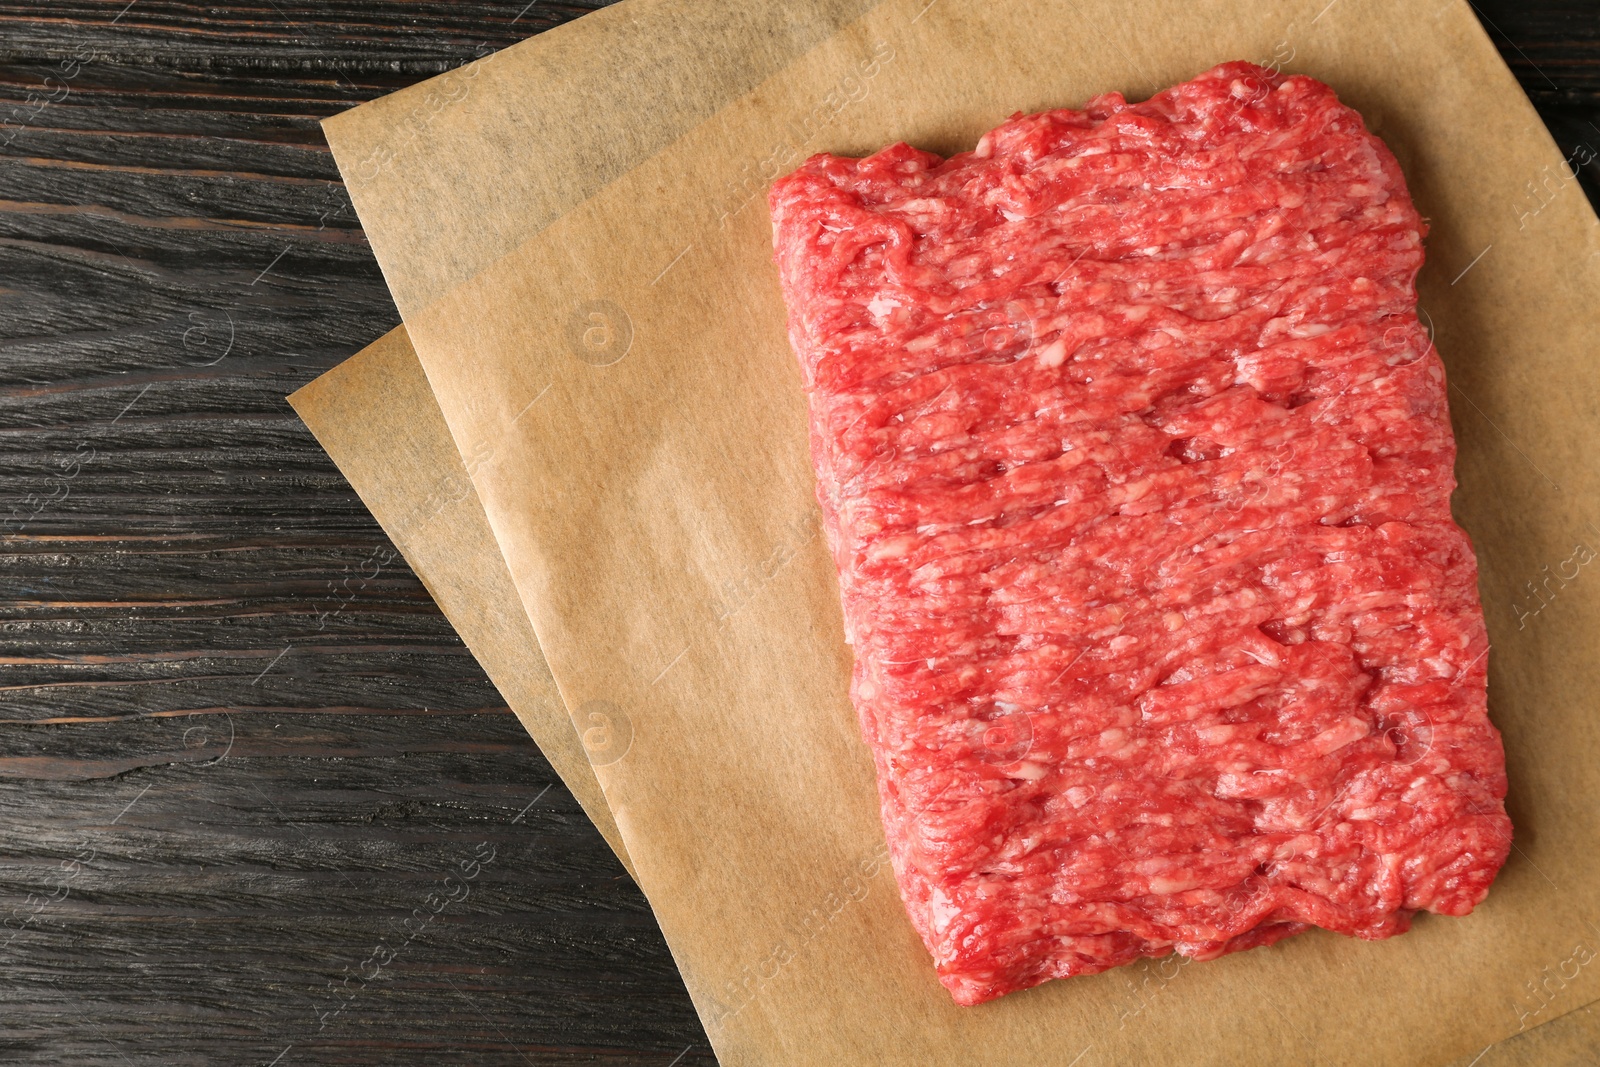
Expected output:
{"points": [[1135, 463]]}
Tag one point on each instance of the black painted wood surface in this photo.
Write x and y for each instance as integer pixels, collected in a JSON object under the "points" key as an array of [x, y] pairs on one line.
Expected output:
{"points": [[257, 803]]}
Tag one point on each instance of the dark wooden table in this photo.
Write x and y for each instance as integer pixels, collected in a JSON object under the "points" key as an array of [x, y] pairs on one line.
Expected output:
{"points": [[224, 786]]}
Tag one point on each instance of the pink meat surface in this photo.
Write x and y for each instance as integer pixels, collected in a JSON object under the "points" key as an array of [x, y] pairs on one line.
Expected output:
{"points": [[1135, 463]]}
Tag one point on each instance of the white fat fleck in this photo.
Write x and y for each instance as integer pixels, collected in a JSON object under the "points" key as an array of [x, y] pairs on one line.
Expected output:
{"points": [[1336, 737], [881, 305], [1053, 354], [1174, 884], [1262, 656], [1229, 785], [941, 911]]}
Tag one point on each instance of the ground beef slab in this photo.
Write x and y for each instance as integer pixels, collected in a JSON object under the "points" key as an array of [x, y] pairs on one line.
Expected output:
{"points": [[1135, 463]]}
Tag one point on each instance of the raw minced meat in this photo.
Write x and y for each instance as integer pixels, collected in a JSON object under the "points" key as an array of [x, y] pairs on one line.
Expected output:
{"points": [[1135, 463]]}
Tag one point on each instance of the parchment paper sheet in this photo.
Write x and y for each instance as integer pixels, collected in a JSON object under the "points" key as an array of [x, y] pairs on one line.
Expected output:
{"points": [[374, 415], [353, 411], [641, 437]]}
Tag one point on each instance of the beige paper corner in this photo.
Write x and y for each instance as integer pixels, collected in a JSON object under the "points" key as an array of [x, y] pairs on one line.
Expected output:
{"points": [[375, 417]]}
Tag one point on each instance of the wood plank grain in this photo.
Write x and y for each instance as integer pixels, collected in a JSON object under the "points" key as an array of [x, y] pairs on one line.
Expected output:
{"points": [[239, 748]]}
